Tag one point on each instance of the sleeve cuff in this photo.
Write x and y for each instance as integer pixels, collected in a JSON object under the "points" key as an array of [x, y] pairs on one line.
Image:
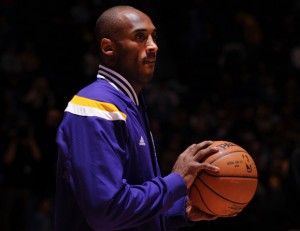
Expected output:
{"points": [[176, 185], [176, 216]]}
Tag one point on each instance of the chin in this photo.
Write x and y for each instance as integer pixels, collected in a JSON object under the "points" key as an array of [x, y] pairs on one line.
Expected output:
{"points": [[150, 71], [149, 75]]}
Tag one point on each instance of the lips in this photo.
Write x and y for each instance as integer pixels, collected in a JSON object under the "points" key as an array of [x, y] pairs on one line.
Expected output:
{"points": [[150, 61]]}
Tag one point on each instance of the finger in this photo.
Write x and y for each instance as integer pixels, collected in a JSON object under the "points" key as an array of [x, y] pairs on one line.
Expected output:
{"points": [[233, 215], [204, 216], [209, 217], [195, 214], [204, 152], [195, 148], [208, 167], [191, 149], [230, 215], [204, 144]]}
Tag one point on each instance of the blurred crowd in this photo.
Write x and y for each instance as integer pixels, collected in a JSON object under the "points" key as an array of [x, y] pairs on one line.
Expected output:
{"points": [[227, 70]]}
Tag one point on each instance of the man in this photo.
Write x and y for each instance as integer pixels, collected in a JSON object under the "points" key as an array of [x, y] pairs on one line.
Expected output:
{"points": [[107, 172]]}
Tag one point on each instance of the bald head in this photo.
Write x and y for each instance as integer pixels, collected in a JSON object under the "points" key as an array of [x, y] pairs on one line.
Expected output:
{"points": [[110, 23]]}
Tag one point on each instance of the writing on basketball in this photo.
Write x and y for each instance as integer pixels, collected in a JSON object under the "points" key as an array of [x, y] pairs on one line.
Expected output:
{"points": [[224, 146], [248, 164]]}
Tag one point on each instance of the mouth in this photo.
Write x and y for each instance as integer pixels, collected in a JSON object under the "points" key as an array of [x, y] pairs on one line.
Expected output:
{"points": [[150, 61]]}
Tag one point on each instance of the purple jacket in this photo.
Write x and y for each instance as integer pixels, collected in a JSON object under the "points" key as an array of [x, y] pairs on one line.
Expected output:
{"points": [[107, 172]]}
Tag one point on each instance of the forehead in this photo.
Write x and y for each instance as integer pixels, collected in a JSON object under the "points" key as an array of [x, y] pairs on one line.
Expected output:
{"points": [[135, 21]]}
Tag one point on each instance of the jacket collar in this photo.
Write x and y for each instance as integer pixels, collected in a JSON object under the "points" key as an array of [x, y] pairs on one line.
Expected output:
{"points": [[118, 81]]}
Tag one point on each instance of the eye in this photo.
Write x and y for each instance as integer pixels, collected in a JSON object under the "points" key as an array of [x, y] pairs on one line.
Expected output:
{"points": [[140, 36], [154, 37]]}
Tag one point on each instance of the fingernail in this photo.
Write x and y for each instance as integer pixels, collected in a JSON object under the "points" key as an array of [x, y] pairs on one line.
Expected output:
{"points": [[216, 168]]}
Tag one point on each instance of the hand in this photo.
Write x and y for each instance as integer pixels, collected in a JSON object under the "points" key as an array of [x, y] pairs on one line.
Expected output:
{"points": [[194, 214], [188, 164]]}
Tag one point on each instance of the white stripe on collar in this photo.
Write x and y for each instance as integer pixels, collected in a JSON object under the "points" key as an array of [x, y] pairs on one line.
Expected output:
{"points": [[118, 81]]}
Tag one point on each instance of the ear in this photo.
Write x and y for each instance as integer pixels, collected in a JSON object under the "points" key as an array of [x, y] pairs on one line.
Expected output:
{"points": [[107, 47]]}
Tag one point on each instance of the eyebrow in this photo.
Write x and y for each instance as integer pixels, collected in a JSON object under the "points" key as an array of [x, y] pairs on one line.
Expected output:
{"points": [[143, 30]]}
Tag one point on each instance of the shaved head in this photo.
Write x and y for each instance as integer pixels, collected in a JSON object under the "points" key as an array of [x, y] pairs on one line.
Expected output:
{"points": [[110, 23]]}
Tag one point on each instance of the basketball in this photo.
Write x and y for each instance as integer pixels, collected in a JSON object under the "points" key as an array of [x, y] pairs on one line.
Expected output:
{"points": [[232, 188]]}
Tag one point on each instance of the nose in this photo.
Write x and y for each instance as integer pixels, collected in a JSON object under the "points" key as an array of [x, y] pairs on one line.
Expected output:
{"points": [[151, 45]]}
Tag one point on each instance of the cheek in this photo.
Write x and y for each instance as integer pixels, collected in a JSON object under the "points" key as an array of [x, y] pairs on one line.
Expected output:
{"points": [[130, 60], [131, 53], [130, 57]]}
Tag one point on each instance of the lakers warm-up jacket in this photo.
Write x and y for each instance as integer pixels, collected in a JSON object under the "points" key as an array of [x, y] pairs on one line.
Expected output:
{"points": [[107, 172]]}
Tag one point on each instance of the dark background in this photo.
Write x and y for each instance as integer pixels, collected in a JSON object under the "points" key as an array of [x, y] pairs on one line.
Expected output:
{"points": [[227, 70]]}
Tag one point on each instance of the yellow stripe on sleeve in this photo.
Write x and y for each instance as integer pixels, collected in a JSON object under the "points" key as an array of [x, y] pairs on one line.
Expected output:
{"points": [[88, 107]]}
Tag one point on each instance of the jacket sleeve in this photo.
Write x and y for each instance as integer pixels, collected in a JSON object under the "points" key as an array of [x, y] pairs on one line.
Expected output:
{"points": [[94, 154], [176, 215]]}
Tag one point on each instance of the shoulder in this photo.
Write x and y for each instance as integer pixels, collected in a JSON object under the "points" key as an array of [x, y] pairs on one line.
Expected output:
{"points": [[100, 99], [102, 91]]}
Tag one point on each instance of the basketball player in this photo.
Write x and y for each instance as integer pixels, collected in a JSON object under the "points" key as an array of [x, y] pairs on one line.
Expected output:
{"points": [[107, 172]]}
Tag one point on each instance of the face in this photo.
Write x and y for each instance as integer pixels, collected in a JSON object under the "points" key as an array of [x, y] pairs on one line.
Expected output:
{"points": [[136, 49]]}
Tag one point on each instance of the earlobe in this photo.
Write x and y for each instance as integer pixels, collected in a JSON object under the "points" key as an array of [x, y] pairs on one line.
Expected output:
{"points": [[107, 47]]}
